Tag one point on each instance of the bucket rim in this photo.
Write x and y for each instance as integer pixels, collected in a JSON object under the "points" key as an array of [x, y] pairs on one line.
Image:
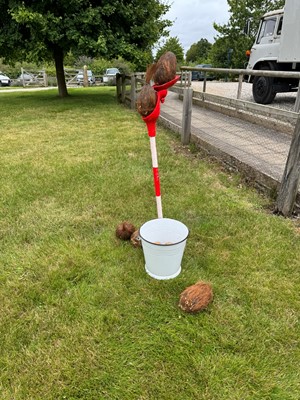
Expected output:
{"points": [[164, 244]]}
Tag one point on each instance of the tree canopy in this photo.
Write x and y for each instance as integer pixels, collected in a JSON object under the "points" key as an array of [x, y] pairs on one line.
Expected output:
{"points": [[47, 30], [231, 38], [172, 44], [198, 52]]}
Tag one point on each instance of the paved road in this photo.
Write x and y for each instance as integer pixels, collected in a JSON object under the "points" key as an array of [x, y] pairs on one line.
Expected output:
{"points": [[284, 101]]}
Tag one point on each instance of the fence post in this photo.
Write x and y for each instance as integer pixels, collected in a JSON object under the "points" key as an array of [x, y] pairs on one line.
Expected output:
{"points": [[239, 92], [297, 102], [186, 115], [45, 78], [133, 92], [123, 88], [204, 83], [85, 76], [119, 87], [22, 73], [291, 177]]}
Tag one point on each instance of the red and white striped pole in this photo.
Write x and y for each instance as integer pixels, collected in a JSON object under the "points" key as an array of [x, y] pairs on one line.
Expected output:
{"points": [[151, 126], [150, 121], [156, 176]]}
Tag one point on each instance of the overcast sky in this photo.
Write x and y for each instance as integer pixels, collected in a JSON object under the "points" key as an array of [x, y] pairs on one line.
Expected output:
{"points": [[193, 19]]}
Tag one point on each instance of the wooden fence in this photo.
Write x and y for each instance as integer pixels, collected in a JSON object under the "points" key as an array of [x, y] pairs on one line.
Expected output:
{"points": [[245, 72], [282, 120], [41, 78], [128, 86], [32, 78]]}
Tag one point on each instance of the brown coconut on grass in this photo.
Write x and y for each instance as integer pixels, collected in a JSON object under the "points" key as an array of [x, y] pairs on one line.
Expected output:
{"points": [[196, 297], [124, 230], [164, 70], [146, 100], [135, 239]]}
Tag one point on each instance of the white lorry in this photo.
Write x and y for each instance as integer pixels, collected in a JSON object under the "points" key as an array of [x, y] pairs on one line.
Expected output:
{"points": [[276, 48]]}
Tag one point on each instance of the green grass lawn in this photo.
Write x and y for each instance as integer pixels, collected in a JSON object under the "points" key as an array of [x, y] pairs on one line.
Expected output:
{"points": [[79, 316]]}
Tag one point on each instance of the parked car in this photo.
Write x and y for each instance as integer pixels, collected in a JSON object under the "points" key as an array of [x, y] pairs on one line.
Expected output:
{"points": [[110, 76], [4, 80], [90, 75], [199, 75], [26, 78]]}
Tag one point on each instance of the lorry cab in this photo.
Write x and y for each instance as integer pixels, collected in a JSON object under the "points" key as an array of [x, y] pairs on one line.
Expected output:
{"points": [[276, 48], [267, 42]]}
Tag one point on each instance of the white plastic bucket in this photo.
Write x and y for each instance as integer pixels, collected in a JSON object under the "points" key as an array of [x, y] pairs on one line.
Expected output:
{"points": [[163, 242]]}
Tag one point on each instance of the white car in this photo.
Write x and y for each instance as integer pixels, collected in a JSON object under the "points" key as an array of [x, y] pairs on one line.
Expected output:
{"points": [[4, 80], [110, 76]]}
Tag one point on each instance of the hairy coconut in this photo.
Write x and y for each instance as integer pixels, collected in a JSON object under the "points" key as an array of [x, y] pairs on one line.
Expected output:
{"points": [[146, 100], [135, 239], [125, 230], [164, 70], [196, 297]]}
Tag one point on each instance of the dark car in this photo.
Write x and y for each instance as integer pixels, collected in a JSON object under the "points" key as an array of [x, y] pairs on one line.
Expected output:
{"points": [[199, 75]]}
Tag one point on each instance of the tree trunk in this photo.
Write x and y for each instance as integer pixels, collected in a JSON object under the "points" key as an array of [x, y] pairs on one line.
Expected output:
{"points": [[60, 74]]}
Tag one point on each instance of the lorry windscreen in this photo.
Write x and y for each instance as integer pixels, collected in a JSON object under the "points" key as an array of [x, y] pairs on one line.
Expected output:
{"points": [[266, 29]]}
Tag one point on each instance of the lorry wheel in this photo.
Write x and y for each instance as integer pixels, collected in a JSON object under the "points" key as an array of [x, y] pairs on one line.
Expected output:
{"points": [[262, 89]]}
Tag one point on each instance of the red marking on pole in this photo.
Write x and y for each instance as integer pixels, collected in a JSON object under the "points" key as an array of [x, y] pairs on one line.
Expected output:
{"points": [[156, 181]]}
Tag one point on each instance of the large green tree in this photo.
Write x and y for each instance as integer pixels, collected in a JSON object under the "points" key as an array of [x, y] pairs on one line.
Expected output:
{"points": [[47, 30], [231, 39], [198, 52], [172, 44]]}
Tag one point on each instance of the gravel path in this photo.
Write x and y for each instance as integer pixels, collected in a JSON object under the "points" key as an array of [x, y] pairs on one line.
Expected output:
{"points": [[284, 101]]}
